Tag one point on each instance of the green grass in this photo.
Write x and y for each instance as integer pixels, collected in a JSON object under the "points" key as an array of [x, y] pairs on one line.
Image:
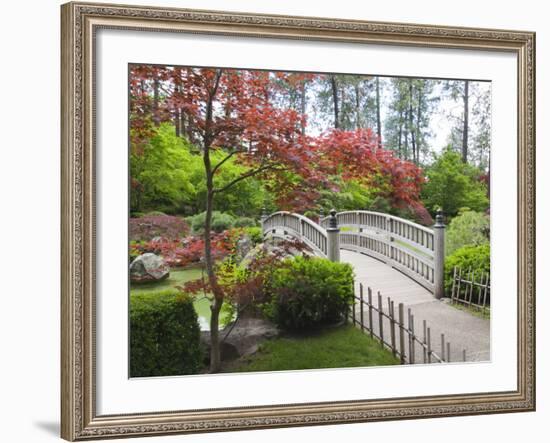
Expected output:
{"points": [[178, 278], [341, 347]]}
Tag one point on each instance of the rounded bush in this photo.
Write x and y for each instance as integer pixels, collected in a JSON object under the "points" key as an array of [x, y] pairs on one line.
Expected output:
{"points": [[477, 258], [244, 222], [309, 292], [164, 335], [255, 233], [221, 221]]}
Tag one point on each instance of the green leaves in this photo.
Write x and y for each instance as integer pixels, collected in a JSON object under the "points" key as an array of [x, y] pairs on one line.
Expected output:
{"points": [[452, 185], [164, 335], [468, 258], [468, 228], [168, 174], [309, 292]]}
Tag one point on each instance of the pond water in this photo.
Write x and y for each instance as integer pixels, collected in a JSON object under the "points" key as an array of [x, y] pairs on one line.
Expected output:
{"points": [[178, 278]]}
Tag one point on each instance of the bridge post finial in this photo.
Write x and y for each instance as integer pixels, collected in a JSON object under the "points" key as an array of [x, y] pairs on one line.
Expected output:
{"points": [[333, 237], [333, 221], [439, 255]]}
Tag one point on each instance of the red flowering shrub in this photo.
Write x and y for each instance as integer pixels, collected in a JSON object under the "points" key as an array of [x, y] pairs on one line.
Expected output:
{"points": [[148, 227], [244, 284], [188, 250]]}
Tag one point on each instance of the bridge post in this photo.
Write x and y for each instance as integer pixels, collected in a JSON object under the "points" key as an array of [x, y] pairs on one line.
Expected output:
{"points": [[333, 238], [439, 256], [263, 218]]}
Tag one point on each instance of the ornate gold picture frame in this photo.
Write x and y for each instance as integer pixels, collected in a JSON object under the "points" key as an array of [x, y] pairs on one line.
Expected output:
{"points": [[80, 23]]}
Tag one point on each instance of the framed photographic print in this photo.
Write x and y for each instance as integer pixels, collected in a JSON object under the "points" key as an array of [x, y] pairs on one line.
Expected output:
{"points": [[282, 221]]}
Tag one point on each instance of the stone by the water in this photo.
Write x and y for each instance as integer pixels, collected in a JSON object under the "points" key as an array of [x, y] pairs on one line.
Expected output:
{"points": [[147, 268]]}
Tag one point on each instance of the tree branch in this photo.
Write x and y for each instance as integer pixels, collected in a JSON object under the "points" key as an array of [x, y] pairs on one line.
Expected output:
{"points": [[248, 174], [226, 158]]}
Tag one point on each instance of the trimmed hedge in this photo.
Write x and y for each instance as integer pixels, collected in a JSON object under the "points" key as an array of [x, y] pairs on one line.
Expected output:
{"points": [[164, 335], [476, 258], [306, 293]]}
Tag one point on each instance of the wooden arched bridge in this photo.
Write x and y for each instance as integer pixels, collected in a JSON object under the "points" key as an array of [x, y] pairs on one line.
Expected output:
{"points": [[391, 254], [399, 260]]}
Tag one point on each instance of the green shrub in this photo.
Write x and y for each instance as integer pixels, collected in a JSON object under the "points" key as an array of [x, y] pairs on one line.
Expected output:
{"points": [[164, 335], [309, 292], [244, 222], [469, 228], [135, 249], [476, 258], [255, 233], [220, 222], [312, 215]]}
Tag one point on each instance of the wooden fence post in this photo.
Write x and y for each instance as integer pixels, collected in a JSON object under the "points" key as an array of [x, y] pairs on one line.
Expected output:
{"points": [[410, 337], [371, 327], [439, 256], [429, 346], [361, 302], [402, 332], [380, 319], [425, 341], [333, 238], [353, 309], [392, 323]]}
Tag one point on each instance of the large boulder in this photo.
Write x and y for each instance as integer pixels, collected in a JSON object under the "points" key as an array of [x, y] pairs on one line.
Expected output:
{"points": [[273, 247], [148, 267], [244, 245], [247, 333], [241, 338]]}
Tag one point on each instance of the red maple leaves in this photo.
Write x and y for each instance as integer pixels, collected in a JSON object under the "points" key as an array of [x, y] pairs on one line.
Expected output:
{"points": [[236, 110]]}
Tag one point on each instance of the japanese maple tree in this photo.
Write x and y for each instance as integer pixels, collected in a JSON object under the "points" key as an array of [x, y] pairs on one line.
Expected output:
{"points": [[231, 110], [358, 155]]}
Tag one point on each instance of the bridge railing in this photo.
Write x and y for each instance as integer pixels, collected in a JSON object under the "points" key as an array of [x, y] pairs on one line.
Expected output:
{"points": [[281, 223], [413, 249]]}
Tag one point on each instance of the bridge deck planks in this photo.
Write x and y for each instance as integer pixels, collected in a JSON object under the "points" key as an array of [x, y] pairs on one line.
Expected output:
{"points": [[390, 282]]}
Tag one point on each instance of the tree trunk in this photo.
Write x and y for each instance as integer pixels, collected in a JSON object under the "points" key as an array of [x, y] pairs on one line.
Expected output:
{"points": [[177, 123], [303, 106], [466, 118], [183, 128], [357, 106], [215, 360], [411, 123], [418, 123], [378, 119], [215, 354], [335, 99], [156, 86], [399, 143]]}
